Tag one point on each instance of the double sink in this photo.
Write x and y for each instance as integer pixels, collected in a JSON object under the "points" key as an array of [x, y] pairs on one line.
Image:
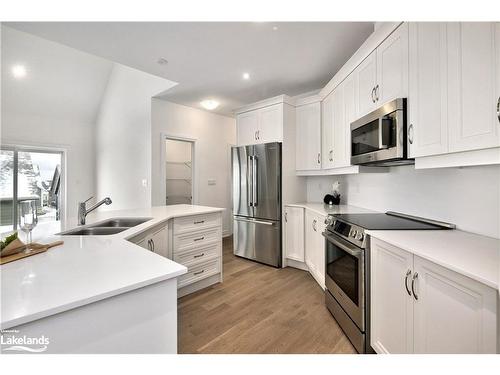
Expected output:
{"points": [[110, 226]]}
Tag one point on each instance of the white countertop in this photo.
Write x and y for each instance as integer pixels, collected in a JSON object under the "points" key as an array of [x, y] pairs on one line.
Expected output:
{"points": [[325, 209], [472, 255], [87, 268]]}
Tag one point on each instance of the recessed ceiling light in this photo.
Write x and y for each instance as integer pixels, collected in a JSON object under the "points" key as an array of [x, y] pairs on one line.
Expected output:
{"points": [[210, 104], [246, 76], [19, 71], [275, 28], [162, 61]]}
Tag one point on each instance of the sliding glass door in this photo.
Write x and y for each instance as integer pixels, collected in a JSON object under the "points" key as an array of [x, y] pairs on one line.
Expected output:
{"points": [[30, 174]]}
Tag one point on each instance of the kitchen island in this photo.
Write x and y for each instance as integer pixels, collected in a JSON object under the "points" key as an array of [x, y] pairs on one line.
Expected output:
{"points": [[99, 293]]}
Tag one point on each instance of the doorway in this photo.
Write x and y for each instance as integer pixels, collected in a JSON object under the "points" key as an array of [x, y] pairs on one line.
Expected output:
{"points": [[179, 171]]}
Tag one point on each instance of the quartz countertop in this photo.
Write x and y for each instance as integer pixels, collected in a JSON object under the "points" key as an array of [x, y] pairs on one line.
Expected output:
{"points": [[325, 209], [87, 269], [472, 255]]}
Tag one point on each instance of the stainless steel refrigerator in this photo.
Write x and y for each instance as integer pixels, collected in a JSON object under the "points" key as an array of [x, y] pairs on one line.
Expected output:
{"points": [[257, 202]]}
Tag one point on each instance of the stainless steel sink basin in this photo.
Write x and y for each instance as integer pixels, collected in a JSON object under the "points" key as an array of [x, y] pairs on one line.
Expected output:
{"points": [[97, 231], [126, 222]]}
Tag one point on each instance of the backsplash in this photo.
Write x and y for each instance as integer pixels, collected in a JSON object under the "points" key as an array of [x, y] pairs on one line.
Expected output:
{"points": [[468, 197]]}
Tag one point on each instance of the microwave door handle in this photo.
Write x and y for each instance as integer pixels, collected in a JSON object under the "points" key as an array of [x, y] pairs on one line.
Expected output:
{"points": [[381, 144]]}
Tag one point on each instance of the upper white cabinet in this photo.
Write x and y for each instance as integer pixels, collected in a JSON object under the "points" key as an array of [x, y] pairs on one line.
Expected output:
{"points": [[308, 136], [294, 233], [473, 85], [420, 307], [383, 75], [262, 125], [350, 115], [328, 131], [427, 105]]}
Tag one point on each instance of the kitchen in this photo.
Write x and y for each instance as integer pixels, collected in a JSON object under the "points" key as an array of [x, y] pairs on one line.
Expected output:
{"points": [[351, 211]]}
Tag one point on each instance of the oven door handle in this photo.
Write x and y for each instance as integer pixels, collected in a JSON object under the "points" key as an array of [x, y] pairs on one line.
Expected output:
{"points": [[344, 245]]}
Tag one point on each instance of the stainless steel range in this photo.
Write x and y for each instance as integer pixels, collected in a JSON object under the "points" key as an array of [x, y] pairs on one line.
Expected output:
{"points": [[347, 273]]}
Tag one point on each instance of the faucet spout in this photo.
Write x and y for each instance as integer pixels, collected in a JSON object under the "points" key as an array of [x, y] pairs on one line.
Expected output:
{"points": [[83, 211]]}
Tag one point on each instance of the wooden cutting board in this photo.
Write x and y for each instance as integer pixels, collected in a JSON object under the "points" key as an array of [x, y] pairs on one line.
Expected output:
{"points": [[37, 249]]}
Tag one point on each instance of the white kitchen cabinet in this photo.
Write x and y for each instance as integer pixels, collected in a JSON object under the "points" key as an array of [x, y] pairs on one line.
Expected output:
{"points": [[366, 81], [473, 85], [340, 128], [427, 105], [391, 305], [327, 132], [418, 306], [261, 125], [308, 136], [294, 233], [350, 115], [453, 313], [155, 240], [315, 246], [392, 67]]}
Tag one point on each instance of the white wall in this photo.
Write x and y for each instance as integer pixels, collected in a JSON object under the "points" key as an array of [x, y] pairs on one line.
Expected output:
{"points": [[77, 138], [123, 138], [468, 197], [214, 134]]}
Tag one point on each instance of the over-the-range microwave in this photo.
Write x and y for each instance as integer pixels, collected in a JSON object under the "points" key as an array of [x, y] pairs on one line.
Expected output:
{"points": [[380, 137]]}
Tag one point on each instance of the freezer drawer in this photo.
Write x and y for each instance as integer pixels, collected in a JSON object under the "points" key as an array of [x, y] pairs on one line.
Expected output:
{"points": [[258, 240]]}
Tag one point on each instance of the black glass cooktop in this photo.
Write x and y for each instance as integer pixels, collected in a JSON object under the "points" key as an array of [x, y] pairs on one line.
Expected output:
{"points": [[384, 222]]}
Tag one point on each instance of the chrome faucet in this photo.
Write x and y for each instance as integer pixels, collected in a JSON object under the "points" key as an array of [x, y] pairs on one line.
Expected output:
{"points": [[83, 210]]}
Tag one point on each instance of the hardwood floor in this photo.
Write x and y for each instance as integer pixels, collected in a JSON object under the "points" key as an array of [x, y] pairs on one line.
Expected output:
{"points": [[259, 309]]}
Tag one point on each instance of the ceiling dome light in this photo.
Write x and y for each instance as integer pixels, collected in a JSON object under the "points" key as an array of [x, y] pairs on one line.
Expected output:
{"points": [[275, 28], [162, 61], [19, 71], [246, 76], [210, 104]]}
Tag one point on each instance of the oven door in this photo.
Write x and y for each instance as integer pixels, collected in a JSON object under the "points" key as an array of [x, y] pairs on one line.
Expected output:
{"points": [[345, 276]]}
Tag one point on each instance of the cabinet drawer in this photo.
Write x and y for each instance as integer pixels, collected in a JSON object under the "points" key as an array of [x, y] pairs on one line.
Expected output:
{"points": [[198, 255], [199, 272], [196, 240], [197, 222]]}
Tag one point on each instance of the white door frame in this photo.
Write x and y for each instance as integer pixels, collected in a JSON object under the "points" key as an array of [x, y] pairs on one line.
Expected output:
{"points": [[163, 160]]}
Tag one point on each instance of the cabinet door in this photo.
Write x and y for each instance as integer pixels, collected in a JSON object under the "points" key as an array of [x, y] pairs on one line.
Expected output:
{"points": [[159, 242], [320, 250], [315, 247], [247, 124], [270, 128], [391, 304], [144, 243], [366, 78], [428, 129], [310, 258], [328, 133], [350, 113], [339, 126], [473, 85], [453, 314], [392, 66], [294, 233], [308, 137]]}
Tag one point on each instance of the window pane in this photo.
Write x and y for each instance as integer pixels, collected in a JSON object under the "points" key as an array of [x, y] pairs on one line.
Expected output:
{"points": [[6, 191], [39, 175]]}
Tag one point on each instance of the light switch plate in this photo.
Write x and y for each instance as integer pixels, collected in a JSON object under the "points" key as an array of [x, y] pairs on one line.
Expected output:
{"points": [[211, 181]]}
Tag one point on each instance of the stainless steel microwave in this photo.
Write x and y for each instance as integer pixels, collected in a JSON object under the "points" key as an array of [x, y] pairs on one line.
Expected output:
{"points": [[380, 138]]}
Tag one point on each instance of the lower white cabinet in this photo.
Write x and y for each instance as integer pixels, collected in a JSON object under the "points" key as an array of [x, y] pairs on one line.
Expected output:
{"points": [[420, 307], [315, 246], [155, 240], [294, 233]]}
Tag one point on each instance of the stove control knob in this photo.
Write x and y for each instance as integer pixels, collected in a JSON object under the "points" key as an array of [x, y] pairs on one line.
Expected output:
{"points": [[359, 236], [329, 220], [353, 233]]}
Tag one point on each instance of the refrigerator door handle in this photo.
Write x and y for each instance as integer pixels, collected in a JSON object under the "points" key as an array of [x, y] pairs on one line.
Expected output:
{"points": [[255, 197], [250, 180]]}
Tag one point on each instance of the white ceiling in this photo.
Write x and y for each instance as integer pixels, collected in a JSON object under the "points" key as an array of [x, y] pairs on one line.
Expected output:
{"points": [[208, 59], [61, 82]]}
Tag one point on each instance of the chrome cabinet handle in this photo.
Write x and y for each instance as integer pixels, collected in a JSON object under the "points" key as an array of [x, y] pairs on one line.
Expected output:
{"points": [[331, 155], [199, 272], [150, 245], [319, 158], [199, 255], [199, 222], [255, 136], [258, 134], [314, 225], [153, 244], [415, 276], [408, 273], [286, 217], [498, 109], [410, 134], [199, 239], [376, 93], [373, 93]]}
